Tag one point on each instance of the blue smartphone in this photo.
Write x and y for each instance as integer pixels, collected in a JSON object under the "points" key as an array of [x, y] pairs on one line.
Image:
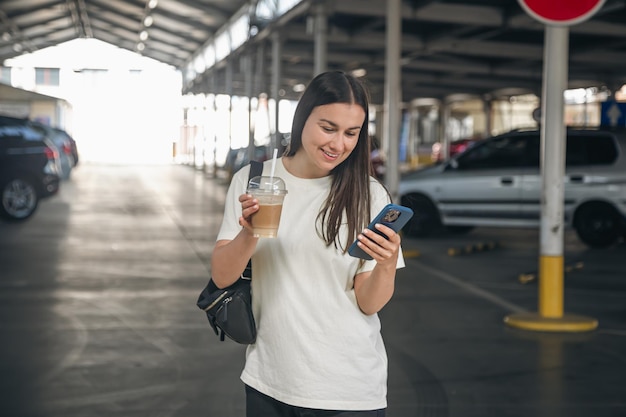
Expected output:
{"points": [[392, 216]]}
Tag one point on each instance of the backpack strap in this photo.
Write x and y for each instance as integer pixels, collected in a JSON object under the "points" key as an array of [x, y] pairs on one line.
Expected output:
{"points": [[256, 169]]}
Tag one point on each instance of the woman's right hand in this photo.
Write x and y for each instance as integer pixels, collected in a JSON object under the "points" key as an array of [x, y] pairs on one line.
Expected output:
{"points": [[249, 206]]}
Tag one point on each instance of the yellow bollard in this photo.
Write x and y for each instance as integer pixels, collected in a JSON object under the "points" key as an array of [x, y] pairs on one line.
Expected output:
{"points": [[551, 286], [550, 317]]}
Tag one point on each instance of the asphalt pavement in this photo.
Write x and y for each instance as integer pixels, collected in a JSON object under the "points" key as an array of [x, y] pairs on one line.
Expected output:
{"points": [[98, 315]]}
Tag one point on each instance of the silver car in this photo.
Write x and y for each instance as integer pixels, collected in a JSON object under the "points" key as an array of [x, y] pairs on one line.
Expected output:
{"points": [[497, 183]]}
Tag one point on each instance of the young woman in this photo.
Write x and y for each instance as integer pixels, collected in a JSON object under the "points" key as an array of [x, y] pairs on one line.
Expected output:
{"points": [[319, 351]]}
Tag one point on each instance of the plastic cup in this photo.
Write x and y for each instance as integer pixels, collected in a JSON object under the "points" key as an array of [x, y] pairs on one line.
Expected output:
{"points": [[270, 191]]}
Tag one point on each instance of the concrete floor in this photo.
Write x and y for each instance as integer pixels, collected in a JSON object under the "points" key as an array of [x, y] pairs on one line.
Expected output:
{"points": [[98, 315]]}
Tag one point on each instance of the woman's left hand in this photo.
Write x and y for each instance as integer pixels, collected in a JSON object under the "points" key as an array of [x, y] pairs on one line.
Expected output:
{"points": [[374, 288], [384, 251]]}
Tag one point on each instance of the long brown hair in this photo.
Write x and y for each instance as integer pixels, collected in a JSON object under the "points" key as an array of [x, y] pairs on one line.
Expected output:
{"points": [[350, 189]]}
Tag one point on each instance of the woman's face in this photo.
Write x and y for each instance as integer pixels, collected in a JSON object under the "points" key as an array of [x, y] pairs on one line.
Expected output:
{"points": [[329, 135]]}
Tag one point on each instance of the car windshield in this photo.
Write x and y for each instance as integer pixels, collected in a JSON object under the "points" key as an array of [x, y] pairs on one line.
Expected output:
{"points": [[501, 152]]}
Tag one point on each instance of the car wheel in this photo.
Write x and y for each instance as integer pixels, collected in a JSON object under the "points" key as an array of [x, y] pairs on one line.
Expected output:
{"points": [[598, 225], [19, 199], [425, 220]]}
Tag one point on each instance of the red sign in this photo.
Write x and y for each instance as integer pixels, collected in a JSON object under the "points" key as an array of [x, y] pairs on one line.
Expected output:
{"points": [[561, 12]]}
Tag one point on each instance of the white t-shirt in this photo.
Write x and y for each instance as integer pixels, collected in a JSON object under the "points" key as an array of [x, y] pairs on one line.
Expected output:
{"points": [[314, 347]]}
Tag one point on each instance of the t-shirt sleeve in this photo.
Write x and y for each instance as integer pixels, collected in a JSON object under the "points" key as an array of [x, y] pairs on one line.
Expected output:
{"points": [[232, 207], [380, 199]]}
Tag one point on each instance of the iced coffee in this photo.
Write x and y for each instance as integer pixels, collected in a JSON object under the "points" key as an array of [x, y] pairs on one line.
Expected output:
{"points": [[270, 192]]}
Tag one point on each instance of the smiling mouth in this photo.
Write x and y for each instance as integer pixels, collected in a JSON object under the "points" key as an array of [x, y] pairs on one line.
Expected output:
{"points": [[330, 155]]}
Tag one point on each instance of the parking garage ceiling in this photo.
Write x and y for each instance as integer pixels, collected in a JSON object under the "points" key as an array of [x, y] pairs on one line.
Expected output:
{"points": [[482, 47]]}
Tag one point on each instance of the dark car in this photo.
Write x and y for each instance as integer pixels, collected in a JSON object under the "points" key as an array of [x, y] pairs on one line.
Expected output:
{"points": [[73, 145], [29, 168], [63, 145]]}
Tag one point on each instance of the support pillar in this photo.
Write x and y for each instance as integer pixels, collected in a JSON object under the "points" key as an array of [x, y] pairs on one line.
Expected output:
{"points": [[276, 76], [321, 39], [550, 316], [393, 95]]}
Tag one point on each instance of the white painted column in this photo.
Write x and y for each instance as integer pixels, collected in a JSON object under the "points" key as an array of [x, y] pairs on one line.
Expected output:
{"points": [[249, 74], [276, 76], [213, 91], [321, 40], [229, 91], [553, 132], [550, 316], [393, 95]]}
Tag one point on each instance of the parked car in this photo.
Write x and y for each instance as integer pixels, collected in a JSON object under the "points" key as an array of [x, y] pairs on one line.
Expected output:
{"points": [[497, 182], [29, 168], [64, 147], [456, 147], [72, 143]]}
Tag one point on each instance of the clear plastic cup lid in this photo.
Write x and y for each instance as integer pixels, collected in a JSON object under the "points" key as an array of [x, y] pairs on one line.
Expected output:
{"points": [[273, 185]]}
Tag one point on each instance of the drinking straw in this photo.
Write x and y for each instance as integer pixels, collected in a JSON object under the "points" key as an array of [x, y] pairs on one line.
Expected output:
{"points": [[273, 165]]}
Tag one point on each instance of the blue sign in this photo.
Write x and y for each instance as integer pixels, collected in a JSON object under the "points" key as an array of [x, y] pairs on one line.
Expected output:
{"points": [[613, 114]]}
